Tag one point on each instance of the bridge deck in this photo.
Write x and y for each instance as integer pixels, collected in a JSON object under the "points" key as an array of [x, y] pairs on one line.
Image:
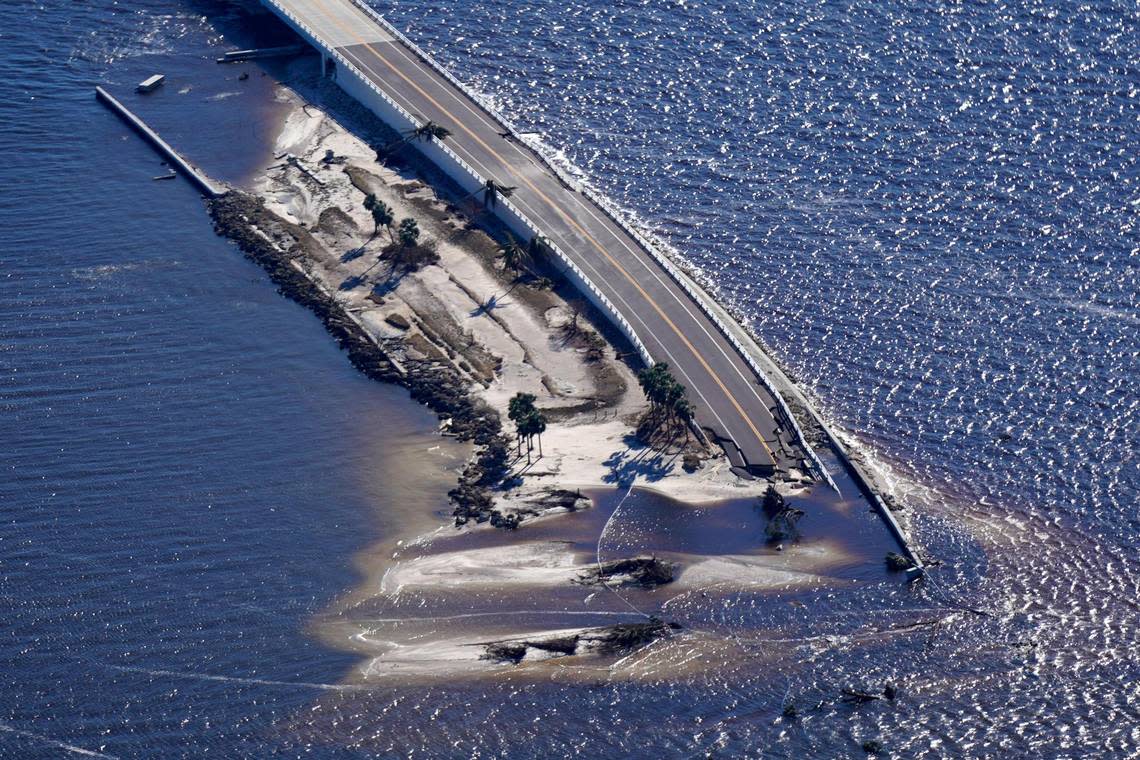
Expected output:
{"points": [[728, 397]]}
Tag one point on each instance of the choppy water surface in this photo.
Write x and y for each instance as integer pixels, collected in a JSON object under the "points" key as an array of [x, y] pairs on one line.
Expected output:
{"points": [[928, 211]]}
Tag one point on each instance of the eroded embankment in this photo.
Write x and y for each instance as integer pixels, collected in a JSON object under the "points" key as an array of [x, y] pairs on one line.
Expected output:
{"points": [[281, 247]]}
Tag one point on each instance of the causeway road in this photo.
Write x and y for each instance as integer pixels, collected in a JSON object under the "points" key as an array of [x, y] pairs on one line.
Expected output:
{"points": [[731, 403]]}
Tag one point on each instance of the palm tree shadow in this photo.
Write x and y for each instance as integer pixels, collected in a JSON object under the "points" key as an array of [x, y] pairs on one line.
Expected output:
{"points": [[353, 282], [353, 254], [517, 468], [637, 460], [488, 306], [390, 283]]}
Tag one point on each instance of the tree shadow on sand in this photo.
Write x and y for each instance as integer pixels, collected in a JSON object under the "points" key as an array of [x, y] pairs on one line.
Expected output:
{"points": [[487, 306], [637, 460], [353, 254], [353, 282]]}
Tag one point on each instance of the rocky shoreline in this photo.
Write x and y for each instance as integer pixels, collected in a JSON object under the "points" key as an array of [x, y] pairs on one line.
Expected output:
{"points": [[280, 248]]}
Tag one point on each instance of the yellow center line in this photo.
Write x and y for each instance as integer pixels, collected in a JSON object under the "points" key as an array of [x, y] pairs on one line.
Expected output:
{"points": [[573, 223]]}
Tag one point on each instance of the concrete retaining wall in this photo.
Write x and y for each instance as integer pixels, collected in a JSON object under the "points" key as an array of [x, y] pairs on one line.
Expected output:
{"points": [[191, 172]]}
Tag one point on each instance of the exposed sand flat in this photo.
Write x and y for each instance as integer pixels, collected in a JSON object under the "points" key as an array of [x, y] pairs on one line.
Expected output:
{"points": [[749, 571], [515, 345], [548, 563]]}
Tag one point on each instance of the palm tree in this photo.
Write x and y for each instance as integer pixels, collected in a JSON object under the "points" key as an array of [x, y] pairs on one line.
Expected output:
{"points": [[429, 130], [491, 191], [534, 425], [381, 216], [518, 409], [666, 396], [683, 410], [537, 243], [409, 232], [514, 255]]}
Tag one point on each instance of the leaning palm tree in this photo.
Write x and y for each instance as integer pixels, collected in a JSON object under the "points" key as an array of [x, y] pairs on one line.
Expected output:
{"points": [[381, 217], [429, 130], [491, 190]]}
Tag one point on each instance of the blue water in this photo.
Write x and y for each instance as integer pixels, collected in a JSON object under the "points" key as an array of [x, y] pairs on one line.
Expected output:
{"points": [[189, 463], [928, 212]]}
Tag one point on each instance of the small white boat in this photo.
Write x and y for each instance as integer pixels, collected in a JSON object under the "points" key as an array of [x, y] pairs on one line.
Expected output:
{"points": [[150, 84]]}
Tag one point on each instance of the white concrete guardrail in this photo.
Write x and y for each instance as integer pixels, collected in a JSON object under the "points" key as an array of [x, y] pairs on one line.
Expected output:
{"points": [[620, 220]]}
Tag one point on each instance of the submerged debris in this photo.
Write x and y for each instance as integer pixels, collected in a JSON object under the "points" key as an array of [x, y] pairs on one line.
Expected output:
{"points": [[898, 563], [635, 571], [560, 497], [859, 697], [500, 651], [783, 520], [625, 637]]}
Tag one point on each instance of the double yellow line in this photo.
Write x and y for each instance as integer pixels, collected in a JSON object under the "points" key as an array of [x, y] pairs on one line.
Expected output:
{"points": [[567, 218]]}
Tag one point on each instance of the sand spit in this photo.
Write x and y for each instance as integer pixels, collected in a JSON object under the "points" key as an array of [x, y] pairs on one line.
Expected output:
{"points": [[465, 334]]}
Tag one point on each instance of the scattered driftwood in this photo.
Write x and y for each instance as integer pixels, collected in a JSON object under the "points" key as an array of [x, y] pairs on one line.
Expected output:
{"points": [[625, 637], [646, 572], [504, 652], [513, 652], [559, 497], [566, 645], [859, 697], [610, 640]]}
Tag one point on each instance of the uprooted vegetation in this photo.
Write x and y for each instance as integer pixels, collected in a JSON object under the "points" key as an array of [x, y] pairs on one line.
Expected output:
{"points": [[783, 519], [611, 640], [646, 572]]}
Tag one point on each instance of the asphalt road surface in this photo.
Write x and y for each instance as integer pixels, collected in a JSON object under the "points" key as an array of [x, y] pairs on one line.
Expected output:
{"points": [[730, 402]]}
